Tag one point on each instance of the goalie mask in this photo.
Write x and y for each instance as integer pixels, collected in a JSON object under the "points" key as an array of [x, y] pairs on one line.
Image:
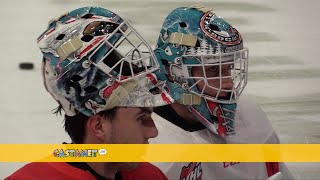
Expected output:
{"points": [[93, 60], [206, 64]]}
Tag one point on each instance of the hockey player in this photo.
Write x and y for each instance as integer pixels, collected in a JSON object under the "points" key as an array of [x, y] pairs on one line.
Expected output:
{"points": [[102, 74], [207, 65]]}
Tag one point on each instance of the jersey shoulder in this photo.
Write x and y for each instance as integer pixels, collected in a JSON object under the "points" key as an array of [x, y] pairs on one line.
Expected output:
{"points": [[144, 171], [40, 171], [252, 124]]}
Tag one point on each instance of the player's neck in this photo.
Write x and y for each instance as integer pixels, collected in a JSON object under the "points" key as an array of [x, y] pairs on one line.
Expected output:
{"points": [[184, 113], [102, 170]]}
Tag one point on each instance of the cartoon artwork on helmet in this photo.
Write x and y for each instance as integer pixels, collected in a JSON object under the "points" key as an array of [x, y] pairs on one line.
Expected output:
{"points": [[194, 39], [93, 60]]}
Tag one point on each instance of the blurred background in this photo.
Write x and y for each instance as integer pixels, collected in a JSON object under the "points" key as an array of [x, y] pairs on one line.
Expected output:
{"points": [[284, 73]]}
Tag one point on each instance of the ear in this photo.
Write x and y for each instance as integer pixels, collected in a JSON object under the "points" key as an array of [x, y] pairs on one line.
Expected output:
{"points": [[98, 129]]}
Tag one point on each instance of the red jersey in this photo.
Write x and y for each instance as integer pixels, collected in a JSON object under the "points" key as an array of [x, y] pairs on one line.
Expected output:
{"points": [[65, 171]]}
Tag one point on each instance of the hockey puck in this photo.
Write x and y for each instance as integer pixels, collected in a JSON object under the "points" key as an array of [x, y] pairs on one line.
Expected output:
{"points": [[26, 66]]}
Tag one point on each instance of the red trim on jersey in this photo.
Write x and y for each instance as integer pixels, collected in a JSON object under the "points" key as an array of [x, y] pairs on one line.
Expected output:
{"points": [[50, 171], [64, 171], [272, 168], [144, 171]]}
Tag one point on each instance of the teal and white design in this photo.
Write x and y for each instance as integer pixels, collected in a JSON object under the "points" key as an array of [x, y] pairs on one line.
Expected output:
{"points": [[93, 60], [197, 37]]}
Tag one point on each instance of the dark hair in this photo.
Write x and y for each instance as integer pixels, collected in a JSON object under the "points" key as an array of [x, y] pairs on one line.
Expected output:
{"points": [[75, 126]]}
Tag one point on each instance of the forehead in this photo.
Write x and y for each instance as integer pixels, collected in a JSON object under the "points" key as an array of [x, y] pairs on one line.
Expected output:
{"points": [[133, 111], [125, 115]]}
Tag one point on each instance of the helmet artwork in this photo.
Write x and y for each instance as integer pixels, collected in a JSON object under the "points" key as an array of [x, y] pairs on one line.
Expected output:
{"points": [[93, 60], [196, 38]]}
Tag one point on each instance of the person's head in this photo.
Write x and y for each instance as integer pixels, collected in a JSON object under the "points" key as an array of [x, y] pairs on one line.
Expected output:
{"points": [[102, 73], [203, 58], [120, 125]]}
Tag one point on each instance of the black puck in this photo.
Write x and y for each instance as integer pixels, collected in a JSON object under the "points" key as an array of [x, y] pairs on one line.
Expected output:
{"points": [[26, 66]]}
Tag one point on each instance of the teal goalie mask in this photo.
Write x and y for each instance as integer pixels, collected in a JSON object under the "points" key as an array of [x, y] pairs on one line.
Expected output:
{"points": [[93, 60], [206, 64]]}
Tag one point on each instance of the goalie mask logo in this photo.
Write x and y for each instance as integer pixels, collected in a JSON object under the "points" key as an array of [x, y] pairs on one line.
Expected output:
{"points": [[219, 30], [191, 172]]}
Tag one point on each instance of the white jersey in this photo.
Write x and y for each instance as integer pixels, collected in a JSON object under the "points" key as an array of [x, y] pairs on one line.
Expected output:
{"points": [[251, 126]]}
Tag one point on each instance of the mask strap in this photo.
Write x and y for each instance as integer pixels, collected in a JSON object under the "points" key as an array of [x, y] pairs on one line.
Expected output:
{"points": [[183, 39]]}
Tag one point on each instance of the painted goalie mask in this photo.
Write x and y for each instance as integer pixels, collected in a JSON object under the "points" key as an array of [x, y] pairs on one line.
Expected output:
{"points": [[93, 60], [206, 64]]}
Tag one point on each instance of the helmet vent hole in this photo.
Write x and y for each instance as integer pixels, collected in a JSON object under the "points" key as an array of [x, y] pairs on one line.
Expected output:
{"points": [[76, 78], [87, 16], [197, 44], [60, 37], [87, 38], [214, 27], [90, 89], [165, 62], [183, 24], [155, 91]]}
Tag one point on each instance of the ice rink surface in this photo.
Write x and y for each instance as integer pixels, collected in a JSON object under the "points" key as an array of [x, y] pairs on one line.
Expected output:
{"points": [[284, 69]]}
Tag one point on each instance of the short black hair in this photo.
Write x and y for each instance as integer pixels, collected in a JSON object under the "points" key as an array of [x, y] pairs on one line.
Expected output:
{"points": [[75, 126]]}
